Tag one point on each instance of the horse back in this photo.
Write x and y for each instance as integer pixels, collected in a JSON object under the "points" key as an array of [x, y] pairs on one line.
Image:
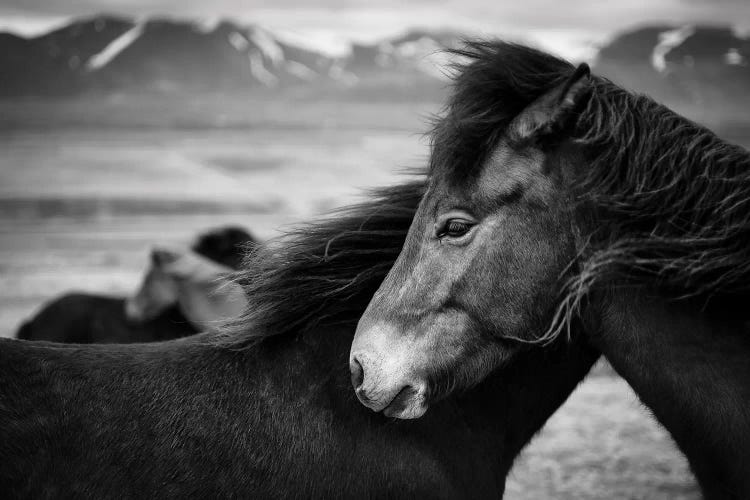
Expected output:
{"points": [[88, 420], [188, 419], [127, 420]]}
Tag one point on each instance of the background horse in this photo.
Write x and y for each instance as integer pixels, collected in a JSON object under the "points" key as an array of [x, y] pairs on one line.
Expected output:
{"points": [[559, 203], [264, 409], [203, 290], [86, 318], [225, 245]]}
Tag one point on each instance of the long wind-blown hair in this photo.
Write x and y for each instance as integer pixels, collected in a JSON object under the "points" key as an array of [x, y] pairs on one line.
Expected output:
{"points": [[324, 273]]}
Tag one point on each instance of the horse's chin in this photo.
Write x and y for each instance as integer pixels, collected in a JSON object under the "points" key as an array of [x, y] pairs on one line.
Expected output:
{"points": [[406, 414], [408, 404]]}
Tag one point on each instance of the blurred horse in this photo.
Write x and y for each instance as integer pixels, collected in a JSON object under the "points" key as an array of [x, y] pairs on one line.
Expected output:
{"points": [[202, 289], [85, 318]]}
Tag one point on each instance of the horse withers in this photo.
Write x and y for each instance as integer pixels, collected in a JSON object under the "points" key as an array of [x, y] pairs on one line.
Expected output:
{"points": [[562, 206], [92, 318]]}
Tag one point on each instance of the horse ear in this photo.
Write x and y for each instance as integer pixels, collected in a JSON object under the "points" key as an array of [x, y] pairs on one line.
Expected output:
{"points": [[163, 256], [549, 112]]}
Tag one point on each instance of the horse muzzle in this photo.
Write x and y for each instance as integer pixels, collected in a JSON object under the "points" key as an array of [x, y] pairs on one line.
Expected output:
{"points": [[387, 386]]}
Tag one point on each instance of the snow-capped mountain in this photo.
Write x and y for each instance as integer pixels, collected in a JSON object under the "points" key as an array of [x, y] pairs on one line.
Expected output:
{"points": [[54, 62], [105, 53], [109, 53], [419, 51], [694, 63]]}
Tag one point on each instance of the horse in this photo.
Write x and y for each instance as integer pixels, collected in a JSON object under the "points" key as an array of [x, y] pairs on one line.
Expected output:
{"points": [[561, 206], [263, 408], [203, 290], [85, 318]]}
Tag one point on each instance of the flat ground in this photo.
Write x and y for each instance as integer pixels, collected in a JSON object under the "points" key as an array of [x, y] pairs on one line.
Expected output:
{"points": [[80, 205]]}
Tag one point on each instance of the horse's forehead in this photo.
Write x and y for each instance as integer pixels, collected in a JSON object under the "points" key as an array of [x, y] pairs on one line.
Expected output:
{"points": [[511, 174], [505, 173], [508, 166]]}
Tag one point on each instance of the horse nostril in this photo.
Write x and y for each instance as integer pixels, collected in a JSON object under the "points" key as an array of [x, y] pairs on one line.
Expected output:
{"points": [[358, 373]]}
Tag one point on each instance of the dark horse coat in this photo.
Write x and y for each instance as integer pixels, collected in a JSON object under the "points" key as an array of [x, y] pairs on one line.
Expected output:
{"points": [[85, 318], [201, 417]]}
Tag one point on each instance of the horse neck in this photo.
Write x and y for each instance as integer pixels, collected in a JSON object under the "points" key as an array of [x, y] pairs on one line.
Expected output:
{"points": [[693, 371], [520, 398]]}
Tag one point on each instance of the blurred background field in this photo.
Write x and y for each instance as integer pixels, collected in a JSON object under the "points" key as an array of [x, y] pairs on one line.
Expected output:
{"points": [[80, 207], [120, 132]]}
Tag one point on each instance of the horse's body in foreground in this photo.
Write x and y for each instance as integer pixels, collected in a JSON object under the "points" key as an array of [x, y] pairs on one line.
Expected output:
{"points": [[560, 205], [266, 410], [85, 318]]}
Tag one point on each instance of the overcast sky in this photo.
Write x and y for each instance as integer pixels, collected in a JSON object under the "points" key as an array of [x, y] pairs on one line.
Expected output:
{"points": [[567, 25]]}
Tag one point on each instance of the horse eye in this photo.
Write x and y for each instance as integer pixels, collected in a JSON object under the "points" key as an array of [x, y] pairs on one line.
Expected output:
{"points": [[455, 228]]}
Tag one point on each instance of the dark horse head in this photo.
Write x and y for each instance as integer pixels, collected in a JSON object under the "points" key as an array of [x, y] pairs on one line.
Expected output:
{"points": [[533, 196]]}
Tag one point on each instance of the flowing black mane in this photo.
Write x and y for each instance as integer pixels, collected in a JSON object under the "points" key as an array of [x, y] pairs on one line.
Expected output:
{"points": [[324, 273], [672, 197], [671, 200]]}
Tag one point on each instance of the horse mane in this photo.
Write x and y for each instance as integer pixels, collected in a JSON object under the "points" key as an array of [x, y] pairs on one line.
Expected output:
{"points": [[670, 199], [323, 273]]}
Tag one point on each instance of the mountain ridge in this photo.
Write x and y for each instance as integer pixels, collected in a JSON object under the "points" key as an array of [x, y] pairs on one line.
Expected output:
{"points": [[105, 53]]}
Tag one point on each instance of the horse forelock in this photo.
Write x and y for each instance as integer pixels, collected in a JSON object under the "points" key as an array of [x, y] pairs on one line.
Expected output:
{"points": [[494, 82], [323, 273]]}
